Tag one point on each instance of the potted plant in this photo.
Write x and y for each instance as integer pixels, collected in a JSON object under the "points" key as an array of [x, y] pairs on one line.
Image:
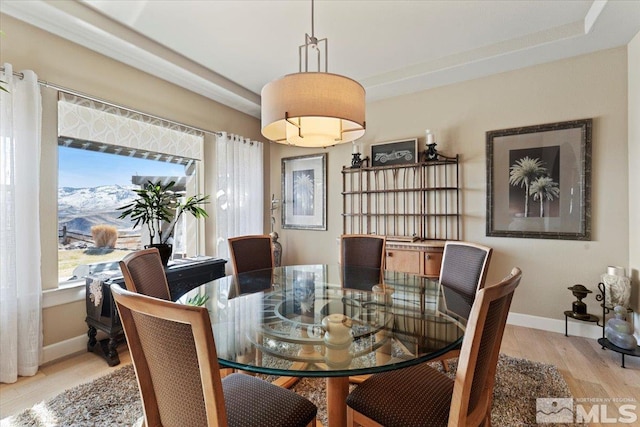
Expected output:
{"points": [[158, 205]]}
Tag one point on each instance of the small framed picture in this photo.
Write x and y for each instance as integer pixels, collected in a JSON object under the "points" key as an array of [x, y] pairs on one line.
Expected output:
{"points": [[394, 152]]}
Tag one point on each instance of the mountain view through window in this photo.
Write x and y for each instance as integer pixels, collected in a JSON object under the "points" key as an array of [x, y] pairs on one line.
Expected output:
{"points": [[92, 185]]}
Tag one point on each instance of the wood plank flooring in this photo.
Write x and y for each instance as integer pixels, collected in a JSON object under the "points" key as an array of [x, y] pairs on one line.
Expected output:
{"points": [[590, 372]]}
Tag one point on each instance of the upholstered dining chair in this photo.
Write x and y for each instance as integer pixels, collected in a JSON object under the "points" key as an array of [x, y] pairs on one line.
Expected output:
{"points": [[143, 272], [251, 252], [174, 355], [422, 396], [464, 270], [362, 250]]}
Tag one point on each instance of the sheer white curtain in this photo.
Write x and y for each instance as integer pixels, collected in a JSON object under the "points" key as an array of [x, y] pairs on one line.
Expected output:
{"points": [[239, 196], [20, 284]]}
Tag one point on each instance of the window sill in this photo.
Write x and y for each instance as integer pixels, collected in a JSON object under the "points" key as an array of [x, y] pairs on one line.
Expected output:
{"points": [[64, 294]]}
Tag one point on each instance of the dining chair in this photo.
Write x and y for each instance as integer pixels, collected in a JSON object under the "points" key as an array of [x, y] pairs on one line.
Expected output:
{"points": [[174, 356], [423, 396], [144, 273], [251, 252], [464, 270], [362, 250]]}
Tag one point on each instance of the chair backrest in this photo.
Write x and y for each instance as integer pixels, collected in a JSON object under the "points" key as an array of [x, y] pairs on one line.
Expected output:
{"points": [[362, 250], [144, 273], [473, 387], [464, 267], [249, 253], [174, 356]]}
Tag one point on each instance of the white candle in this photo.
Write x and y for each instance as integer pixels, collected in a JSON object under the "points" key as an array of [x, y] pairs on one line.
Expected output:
{"points": [[429, 137], [355, 148]]}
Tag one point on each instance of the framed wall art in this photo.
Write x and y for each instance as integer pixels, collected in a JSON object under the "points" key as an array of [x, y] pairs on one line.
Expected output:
{"points": [[394, 152], [539, 181], [304, 192]]}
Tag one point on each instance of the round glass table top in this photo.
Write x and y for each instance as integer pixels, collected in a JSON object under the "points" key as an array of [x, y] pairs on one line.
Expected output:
{"points": [[328, 320]]}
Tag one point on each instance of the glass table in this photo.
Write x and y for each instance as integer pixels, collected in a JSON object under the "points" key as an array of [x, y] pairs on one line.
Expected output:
{"points": [[329, 321]]}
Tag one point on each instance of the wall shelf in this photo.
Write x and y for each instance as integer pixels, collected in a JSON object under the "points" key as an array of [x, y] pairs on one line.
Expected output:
{"points": [[413, 200]]}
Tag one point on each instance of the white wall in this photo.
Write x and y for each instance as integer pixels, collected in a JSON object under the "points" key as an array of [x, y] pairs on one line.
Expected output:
{"points": [[593, 85]]}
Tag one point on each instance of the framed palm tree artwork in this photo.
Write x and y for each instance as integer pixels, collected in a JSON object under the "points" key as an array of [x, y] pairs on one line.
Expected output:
{"points": [[304, 192], [539, 181]]}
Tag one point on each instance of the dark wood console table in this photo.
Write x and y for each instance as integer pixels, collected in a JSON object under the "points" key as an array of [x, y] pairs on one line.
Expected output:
{"points": [[102, 314]]}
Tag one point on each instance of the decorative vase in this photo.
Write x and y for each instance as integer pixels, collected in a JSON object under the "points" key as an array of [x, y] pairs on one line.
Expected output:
{"points": [[620, 332], [617, 287], [165, 250]]}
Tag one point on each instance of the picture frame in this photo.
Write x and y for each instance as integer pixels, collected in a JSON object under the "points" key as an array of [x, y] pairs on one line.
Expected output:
{"points": [[304, 192], [395, 152], [539, 181]]}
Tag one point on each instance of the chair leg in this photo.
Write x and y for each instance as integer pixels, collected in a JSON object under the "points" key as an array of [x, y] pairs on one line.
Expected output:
{"points": [[356, 419], [445, 365]]}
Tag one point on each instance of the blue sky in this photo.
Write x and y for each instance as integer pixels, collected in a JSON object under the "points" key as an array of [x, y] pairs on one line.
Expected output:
{"points": [[83, 168]]}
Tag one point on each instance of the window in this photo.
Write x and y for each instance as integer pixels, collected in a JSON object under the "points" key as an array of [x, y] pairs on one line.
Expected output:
{"points": [[91, 186], [104, 153]]}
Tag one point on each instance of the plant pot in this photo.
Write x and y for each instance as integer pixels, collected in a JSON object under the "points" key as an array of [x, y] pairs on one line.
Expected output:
{"points": [[165, 250]]}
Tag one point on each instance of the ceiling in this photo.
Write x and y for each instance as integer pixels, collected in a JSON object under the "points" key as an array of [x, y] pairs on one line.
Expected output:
{"points": [[227, 50]]}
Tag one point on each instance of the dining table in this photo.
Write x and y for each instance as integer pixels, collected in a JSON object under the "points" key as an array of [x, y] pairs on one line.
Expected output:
{"points": [[330, 321]]}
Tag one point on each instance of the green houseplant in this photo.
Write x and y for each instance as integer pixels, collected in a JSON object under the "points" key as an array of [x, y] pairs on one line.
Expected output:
{"points": [[157, 205]]}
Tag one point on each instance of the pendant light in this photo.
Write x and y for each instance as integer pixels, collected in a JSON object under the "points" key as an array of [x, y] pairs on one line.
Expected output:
{"points": [[313, 108]]}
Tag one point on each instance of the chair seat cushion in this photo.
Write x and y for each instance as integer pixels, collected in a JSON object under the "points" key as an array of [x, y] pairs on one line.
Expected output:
{"points": [[251, 401], [419, 396]]}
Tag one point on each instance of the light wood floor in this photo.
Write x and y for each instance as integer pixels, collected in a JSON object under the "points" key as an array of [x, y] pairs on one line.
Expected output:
{"points": [[590, 372]]}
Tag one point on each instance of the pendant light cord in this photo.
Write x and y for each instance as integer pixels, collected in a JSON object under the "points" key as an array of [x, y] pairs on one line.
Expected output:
{"points": [[313, 33]]}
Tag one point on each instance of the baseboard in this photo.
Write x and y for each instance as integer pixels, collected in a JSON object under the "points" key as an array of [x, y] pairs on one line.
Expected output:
{"points": [[575, 328], [64, 348]]}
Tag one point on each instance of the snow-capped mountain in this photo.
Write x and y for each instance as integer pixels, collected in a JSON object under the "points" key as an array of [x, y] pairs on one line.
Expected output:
{"points": [[81, 208], [94, 199]]}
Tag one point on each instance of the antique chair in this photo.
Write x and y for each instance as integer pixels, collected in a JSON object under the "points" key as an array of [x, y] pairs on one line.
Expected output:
{"points": [[143, 273], [423, 396], [464, 270], [174, 355]]}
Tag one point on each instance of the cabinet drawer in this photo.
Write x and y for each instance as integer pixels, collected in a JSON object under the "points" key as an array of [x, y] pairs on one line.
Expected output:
{"points": [[432, 262], [405, 261]]}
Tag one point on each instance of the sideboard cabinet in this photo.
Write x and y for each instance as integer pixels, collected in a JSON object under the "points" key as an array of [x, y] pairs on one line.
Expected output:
{"points": [[102, 314], [416, 205], [422, 258]]}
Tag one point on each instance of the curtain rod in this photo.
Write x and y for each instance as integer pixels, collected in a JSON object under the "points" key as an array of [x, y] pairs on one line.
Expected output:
{"points": [[93, 98]]}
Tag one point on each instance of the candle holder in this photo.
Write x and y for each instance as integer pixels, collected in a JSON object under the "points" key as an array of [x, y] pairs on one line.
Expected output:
{"points": [[431, 154], [357, 161]]}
